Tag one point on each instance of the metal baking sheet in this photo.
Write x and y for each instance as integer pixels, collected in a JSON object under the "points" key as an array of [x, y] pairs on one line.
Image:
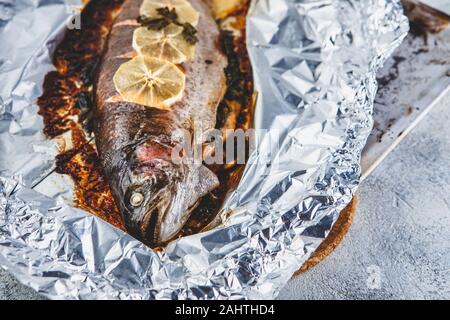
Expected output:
{"points": [[411, 83]]}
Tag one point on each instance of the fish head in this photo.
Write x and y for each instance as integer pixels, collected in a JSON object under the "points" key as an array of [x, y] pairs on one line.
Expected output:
{"points": [[147, 185], [158, 194]]}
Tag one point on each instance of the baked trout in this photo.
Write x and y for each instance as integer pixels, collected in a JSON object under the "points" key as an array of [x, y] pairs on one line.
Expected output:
{"points": [[155, 194]]}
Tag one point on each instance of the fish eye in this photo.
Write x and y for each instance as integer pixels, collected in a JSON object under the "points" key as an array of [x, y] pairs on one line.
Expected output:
{"points": [[136, 199]]}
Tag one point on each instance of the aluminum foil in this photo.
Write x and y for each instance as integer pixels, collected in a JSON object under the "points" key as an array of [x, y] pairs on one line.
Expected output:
{"points": [[314, 62]]}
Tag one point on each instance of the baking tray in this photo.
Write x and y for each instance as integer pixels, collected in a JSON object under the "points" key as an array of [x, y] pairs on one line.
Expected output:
{"points": [[412, 82]]}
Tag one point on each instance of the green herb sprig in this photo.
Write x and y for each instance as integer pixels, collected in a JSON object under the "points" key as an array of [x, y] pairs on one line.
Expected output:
{"points": [[168, 16]]}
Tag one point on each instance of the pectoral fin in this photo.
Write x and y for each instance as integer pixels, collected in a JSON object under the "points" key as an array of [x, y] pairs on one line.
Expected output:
{"points": [[201, 182], [207, 182]]}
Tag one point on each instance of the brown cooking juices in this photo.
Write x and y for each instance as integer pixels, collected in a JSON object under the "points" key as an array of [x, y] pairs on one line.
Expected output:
{"points": [[67, 106]]}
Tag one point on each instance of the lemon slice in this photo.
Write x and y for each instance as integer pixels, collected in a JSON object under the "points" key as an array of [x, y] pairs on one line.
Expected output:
{"points": [[222, 8], [186, 13], [167, 44], [150, 82]]}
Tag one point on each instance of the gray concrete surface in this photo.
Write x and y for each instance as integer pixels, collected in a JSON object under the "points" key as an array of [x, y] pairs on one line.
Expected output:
{"points": [[11, 289], [399, 245]]}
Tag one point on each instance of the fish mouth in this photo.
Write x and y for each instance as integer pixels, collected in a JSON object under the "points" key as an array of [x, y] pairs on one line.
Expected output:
{"points": [[156, 230], [150, 228], [145, 204]]}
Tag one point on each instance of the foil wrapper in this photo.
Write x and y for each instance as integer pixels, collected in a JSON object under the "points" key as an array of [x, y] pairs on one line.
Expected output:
{"points": [[314, 64]]}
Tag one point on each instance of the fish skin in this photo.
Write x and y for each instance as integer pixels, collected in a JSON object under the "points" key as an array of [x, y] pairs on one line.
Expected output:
{"points": [[135, 142]]}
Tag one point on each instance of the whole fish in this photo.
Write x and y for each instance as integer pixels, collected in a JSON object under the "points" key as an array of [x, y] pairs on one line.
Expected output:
{"points": [[135, 143]]}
